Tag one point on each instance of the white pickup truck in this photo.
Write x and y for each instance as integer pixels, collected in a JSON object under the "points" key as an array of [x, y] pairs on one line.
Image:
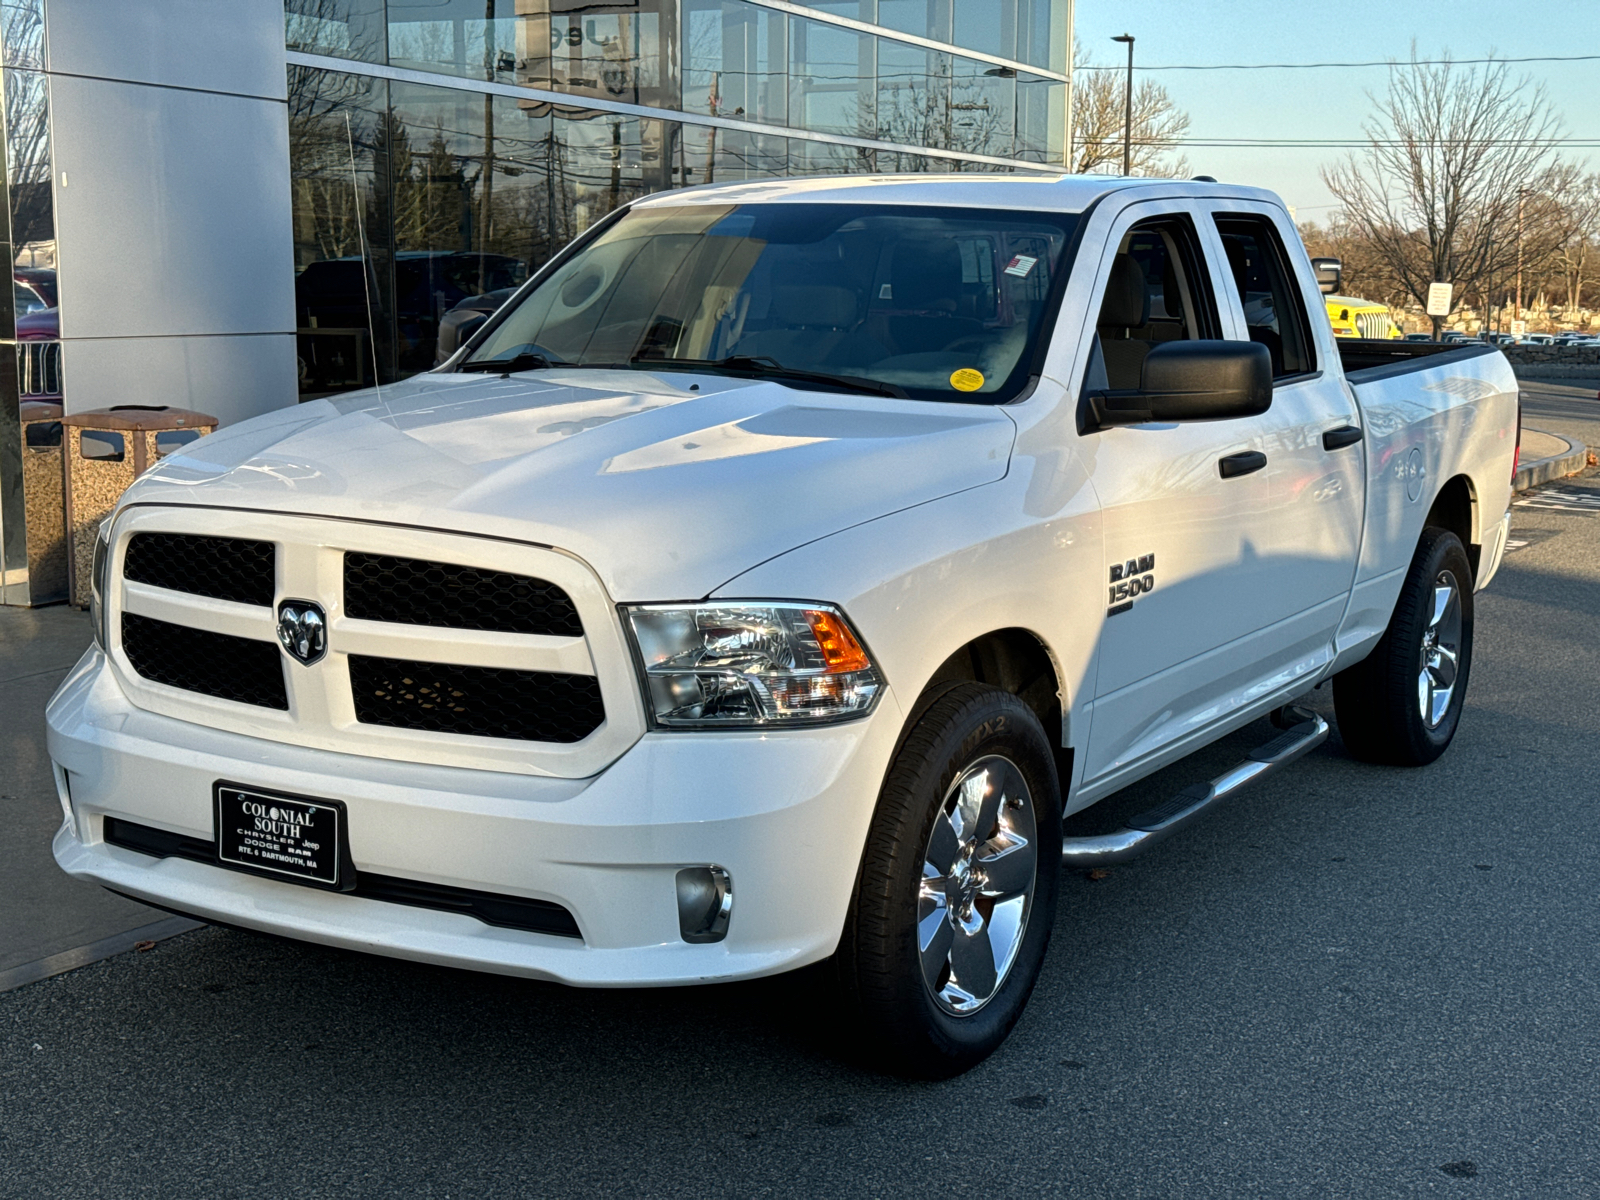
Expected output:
{"points": [[765, 582]]}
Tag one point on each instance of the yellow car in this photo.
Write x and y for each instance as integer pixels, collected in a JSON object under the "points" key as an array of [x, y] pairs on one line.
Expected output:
{"points": [[1356, 318]]}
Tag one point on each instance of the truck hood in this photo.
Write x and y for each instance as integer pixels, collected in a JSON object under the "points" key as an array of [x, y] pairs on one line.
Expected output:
{"points": [[667, 484]]}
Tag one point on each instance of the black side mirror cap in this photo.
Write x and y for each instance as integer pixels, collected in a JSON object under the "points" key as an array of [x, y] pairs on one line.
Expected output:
{"points": [[1193, 381], [1330, 273]]}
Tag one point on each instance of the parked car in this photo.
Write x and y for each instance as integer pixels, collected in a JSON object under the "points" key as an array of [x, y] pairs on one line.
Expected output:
{"points": [[1419, 337], [25, 299], [39, 354], [41, 280], [769, 581], [1536, 339]]}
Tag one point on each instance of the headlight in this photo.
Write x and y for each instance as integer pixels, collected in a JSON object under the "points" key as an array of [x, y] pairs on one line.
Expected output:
{"points": [[97, 585], [722, 666]]}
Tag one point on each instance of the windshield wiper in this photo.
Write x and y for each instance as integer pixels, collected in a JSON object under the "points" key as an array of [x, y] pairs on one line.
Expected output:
{"points": [[759, 366], [526, 361]]}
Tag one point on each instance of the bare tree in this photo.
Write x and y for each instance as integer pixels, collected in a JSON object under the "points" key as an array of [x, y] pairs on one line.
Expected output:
{"points": [[1574, 256], [1451, 152], [27, 131], [1099, 100]]}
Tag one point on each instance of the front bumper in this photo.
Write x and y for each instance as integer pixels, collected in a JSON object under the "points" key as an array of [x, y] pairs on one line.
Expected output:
{"points": [[785, 813]]}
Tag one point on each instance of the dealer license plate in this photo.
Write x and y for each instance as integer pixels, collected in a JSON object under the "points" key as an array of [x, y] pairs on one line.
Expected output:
{"points": [[284, 835]]}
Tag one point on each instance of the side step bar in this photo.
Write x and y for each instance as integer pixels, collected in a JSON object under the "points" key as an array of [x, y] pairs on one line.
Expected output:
{"points": [[1161, 822]]}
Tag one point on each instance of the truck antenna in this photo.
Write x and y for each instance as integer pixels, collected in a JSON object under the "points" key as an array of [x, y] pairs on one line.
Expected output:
{"points": [[361, 235]]}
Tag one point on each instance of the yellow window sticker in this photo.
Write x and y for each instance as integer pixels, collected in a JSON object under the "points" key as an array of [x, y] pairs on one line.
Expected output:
{"points": [[966, 380]]}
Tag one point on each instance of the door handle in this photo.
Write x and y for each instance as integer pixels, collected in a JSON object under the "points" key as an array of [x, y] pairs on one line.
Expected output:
{"points": [[1241, 464], [1338, 439]]}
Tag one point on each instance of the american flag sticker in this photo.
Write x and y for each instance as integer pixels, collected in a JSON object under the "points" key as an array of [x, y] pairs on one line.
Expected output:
{"points": [[1021, 265]]}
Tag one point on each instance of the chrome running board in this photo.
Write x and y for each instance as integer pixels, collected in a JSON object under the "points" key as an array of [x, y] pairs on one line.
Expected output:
{"points": [[1161, 822]]}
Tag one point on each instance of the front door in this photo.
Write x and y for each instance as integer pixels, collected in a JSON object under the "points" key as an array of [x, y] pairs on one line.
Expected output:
{"points": [[1186, 519]]}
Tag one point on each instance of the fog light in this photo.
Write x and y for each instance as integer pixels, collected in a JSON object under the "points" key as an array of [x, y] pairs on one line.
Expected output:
{"points": [[705, 900]]}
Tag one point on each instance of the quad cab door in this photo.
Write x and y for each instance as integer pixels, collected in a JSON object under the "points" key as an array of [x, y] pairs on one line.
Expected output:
{"points": [[1312, 436], [1187, 508]]}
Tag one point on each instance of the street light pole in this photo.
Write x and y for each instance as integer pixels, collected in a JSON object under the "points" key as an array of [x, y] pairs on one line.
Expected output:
{"points": [[1127, 119]]}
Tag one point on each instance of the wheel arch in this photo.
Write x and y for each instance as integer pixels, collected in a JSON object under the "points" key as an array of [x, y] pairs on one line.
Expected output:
{"points": [[1455, 507], [1015, 660]]}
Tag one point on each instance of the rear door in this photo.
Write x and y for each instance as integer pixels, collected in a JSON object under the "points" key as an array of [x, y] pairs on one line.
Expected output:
{"points": [[1185, 579], [1312, 437]]}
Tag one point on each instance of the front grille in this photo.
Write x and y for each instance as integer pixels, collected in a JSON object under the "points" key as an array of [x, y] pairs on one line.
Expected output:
{"points": [[411, 591], [1373, 324], [535, 706], [198, 660], [492, 908], [223, 568]]}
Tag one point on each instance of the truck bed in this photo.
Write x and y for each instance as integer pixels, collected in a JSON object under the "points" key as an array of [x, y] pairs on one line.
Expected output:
{"points": [[1368, 359]]}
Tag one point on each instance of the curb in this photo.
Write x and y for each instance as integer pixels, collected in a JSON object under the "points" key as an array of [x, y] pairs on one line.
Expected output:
{"points": [[82, 956], [1542, 470]]}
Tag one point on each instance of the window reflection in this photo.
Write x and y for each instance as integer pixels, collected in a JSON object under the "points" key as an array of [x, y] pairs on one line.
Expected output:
{"points": [[337, 28], [339, 142], [736, 59], [830, 79], [1040, 118], [716, 155], [22, 33], [618, 51]]}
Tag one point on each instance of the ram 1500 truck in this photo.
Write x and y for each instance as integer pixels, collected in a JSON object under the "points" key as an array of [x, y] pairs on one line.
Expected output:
{"points": [[766, 580]]}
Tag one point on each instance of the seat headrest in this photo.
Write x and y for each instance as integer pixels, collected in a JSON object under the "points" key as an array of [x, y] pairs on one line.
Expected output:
{"points": [[1127, 302], [814, 304]]}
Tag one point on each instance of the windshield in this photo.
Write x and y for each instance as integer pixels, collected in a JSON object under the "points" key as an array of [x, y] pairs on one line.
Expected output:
{"points": [[931, 303]]}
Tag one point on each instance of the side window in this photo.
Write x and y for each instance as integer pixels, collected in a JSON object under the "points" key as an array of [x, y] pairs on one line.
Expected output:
{"points": [[1274, 310], [1157, 292]]}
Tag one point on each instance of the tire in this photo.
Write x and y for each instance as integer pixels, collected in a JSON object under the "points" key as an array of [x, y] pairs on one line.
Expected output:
{"points": [[939, 804], [1379, 702]]}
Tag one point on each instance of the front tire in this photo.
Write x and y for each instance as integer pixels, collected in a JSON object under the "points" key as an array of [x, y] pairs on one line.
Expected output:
{"points": [[957, 890], [1402, 703]]}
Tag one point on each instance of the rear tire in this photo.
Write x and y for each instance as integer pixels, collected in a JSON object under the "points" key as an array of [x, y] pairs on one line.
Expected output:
{"points": [[957, 889], [1402, 703]]}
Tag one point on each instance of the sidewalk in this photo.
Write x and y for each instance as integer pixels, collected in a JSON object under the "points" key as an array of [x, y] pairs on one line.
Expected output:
{"points": [[42, 911]]}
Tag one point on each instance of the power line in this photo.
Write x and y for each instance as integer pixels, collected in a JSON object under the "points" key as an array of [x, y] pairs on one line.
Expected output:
{"points": [[1302, 66]]}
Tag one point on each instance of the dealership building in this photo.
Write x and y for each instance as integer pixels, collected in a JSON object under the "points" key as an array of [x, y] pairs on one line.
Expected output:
{"points": [[235, 205]]}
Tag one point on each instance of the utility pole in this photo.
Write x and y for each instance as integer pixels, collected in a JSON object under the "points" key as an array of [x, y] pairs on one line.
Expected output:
{"points": [[1522, 196], [1127, 119]]}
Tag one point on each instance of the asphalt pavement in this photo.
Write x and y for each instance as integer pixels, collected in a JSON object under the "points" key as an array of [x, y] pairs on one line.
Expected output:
{"points": [[1350, 980], [42, 911]]}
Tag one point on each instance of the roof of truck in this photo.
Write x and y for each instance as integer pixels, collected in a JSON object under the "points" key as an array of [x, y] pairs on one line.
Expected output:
{"points": [[1059, 193]]}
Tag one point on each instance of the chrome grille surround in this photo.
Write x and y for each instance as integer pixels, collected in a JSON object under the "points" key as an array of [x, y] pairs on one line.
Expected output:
{"points": [[309, 565]]}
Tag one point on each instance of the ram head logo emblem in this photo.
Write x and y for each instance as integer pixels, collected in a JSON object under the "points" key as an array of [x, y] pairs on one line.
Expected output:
{"points": [[303, 630]]}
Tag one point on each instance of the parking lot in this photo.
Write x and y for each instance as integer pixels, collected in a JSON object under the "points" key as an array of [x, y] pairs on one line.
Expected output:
{"points": [[1349, 981]]}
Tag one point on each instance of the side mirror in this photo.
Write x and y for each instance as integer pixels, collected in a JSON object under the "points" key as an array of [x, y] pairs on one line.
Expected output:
{"points": [[1193, 381], [1330, 273]]}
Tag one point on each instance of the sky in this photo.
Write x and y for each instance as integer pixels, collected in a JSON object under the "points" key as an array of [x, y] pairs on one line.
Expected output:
{"points": [[1332, 103]]}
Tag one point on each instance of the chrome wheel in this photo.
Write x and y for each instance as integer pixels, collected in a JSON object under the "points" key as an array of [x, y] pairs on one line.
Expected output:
{"points": [[1440, 660], [978, 876]]}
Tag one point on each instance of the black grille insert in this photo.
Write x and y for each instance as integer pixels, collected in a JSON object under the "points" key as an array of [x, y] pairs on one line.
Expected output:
{"points": [[529, 706], [198, 660], [223, 568], [492, 908], [412, 591]]}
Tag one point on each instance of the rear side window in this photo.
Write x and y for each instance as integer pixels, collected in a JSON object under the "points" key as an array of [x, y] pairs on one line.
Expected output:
{"points": [[1274, 310]]}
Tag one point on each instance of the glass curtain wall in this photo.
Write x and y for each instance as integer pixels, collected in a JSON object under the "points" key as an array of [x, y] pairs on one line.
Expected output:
{"points": [[413, 202], [32, 569]]}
